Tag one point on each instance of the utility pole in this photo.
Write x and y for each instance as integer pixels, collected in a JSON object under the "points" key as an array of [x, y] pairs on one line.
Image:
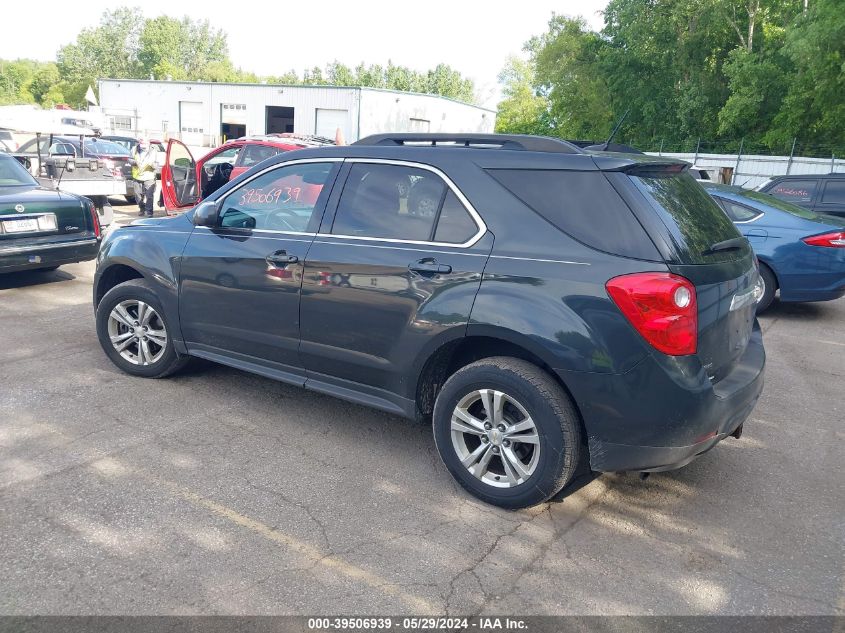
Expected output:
{"points": [[791, 154]]}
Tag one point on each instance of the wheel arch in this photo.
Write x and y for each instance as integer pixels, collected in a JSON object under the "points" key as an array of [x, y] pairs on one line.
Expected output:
{"points": [[116, 273], [488, 342], [765, 261]]}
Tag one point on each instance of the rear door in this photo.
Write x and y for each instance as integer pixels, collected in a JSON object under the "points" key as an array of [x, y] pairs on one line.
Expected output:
{"points": [[179, 177], [832, 198], [702, 244], [395, 269]]}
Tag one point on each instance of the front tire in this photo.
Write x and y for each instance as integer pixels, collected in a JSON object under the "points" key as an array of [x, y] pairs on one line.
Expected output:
{"points": [[507, 432], [134, 332]]}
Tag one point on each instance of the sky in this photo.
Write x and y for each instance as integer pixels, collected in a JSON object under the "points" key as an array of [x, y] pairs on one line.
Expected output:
{"points": [[269, 38]]}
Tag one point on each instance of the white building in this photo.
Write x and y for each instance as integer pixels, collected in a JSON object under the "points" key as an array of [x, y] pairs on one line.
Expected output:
{"points": [[201, 113]]}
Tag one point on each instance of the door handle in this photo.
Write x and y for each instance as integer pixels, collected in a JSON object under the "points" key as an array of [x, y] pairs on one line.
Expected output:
{"points": [[429, 266], [281, 258]]}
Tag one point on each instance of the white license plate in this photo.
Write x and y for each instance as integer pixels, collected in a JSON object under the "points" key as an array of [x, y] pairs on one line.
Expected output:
{"points": [[20, 226]]}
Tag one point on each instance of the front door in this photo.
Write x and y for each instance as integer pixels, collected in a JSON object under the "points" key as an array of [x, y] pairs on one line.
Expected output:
{"points": [[179, 177], [240, 281], [394, 273]]}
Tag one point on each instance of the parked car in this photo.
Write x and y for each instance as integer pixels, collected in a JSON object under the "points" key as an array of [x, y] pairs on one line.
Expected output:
{"points": [[40, 227], [801, 253], [820, 193], [130, 143], [557, 302], [182, 173], [115, 157]]}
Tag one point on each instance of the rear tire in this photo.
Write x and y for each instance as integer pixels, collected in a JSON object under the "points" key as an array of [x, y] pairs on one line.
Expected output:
{"points": [[134, 332], [533, 446], [770, 286]]}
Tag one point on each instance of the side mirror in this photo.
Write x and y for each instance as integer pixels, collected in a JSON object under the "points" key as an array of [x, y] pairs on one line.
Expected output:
{"points": [[207, 214]]}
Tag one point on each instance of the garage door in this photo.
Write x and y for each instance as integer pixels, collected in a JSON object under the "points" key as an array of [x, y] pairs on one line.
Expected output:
{"points": [[192, 122], [329, 120]]}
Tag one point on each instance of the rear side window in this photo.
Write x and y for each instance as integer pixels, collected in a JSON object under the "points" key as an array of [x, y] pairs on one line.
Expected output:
{"points": [[739, 212], [692, 217], [254, 154], [794, 190], [834, 192], [401, 203], [582, 204]]}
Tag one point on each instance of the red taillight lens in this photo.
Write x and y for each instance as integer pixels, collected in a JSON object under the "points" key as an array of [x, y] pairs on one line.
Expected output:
{"points": [[661, 307], [94, 217], [830, 240]]}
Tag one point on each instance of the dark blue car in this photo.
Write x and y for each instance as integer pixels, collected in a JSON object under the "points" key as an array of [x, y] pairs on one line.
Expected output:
{"points": [[801, 253]]}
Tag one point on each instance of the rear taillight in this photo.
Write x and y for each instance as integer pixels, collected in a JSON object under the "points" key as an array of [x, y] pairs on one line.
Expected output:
{"points": [[94, 217], [661, 307], [830, 240]]}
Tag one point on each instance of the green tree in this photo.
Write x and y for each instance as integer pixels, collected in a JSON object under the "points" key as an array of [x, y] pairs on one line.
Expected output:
{"points": [[567, 66], [814, 105], [522, 111], [108, 50], [184, 49]]}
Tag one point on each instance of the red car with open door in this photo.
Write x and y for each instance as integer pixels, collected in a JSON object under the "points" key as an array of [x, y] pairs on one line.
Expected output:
{"points": [[186, 181]]}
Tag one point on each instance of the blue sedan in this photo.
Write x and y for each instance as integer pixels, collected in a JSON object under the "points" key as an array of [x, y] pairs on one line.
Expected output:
{"points": [[801, 253]]}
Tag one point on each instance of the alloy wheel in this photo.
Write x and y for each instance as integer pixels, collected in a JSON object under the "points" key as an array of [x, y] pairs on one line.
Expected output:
{"points": [[495, 438], [137, 332]]}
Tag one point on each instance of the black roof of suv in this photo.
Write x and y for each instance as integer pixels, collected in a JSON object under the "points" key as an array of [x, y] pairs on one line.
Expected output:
{"points": [[535, 300]]}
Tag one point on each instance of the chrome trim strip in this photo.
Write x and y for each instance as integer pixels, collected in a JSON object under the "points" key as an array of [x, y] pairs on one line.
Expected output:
{"points": [[405, 248], [548, 261], [479, 222], [754, 219], [272, 233], [41, 247]]}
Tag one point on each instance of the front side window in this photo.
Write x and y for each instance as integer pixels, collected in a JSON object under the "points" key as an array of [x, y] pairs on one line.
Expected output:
{"points": [[283, 199], [794, 190], [226, 156], [401, 203]]}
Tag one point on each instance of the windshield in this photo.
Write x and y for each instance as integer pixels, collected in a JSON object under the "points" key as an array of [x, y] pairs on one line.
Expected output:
{"points": [[13, 174], [105, 148], [777, 203], [695, 221]]}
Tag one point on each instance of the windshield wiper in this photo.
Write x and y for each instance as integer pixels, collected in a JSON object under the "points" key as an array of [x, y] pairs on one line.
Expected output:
{"points": [[733, 244]]}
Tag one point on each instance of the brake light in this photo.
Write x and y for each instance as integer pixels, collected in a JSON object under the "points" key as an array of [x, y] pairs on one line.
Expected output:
{"points": [[830, 240], [662, 307], [94, 218]]}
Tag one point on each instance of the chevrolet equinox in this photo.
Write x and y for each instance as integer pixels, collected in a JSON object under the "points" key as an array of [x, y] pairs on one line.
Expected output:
{"points": [[536, 302]]}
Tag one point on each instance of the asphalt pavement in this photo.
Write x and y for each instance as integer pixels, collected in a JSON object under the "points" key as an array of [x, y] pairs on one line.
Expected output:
{"points": [[220, 492]]}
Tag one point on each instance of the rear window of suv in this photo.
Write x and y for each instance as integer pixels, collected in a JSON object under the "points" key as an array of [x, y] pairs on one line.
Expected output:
{"points": [[582, 204], [693, 219]]}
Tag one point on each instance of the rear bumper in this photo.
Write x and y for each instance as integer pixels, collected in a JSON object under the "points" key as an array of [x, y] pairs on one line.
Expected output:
{"points": [[30, 256], [661, 415]]}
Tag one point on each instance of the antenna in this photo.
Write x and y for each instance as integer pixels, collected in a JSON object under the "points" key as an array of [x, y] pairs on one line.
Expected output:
{"points": [[615, 130]]}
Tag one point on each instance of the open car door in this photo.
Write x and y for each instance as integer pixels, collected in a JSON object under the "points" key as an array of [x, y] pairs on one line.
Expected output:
{"points": [[179, 178]]}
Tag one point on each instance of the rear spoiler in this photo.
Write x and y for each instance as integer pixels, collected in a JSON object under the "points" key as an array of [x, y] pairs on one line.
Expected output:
{"points": [[646, 168]]}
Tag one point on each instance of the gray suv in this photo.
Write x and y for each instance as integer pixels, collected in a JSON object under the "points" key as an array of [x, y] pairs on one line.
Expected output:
{"points": [[539, 304]]}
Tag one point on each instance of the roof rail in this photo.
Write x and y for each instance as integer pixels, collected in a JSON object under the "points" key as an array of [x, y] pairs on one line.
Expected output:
{"points": [[522, 142]]}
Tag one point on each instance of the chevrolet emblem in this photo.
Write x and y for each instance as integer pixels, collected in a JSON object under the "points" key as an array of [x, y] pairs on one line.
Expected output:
{"points": [[19, 208]]}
